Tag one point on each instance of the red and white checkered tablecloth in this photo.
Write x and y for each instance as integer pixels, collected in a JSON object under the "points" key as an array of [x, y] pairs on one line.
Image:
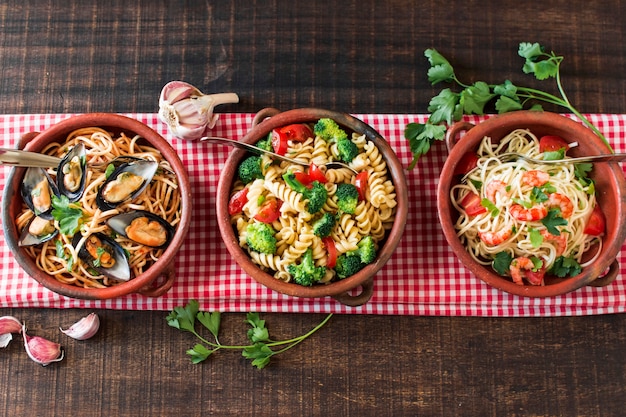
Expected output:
{"points": [[422, 278]]}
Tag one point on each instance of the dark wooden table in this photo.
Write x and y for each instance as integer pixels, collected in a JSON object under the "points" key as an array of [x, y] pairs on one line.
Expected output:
{"points": [[362, 56]]}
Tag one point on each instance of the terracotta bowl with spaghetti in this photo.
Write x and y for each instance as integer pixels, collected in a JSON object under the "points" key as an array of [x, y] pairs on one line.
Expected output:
{"points": [[154, 280], [610, 190], [353, 290]]}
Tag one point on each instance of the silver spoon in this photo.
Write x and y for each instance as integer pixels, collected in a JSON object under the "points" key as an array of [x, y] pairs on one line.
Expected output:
{"points": [[259, 151]]}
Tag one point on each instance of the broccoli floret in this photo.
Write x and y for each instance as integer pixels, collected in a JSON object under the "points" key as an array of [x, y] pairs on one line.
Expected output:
{"points": [[324, 225], [329, 130], [350, 263], [347, 150], [260, 238], [250, 169], [347, 197], [306, 273], [266, 144], [316, 193]]}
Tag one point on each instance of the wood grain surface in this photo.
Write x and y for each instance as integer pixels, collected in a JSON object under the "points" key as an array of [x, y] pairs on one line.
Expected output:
{"points": [[361, 56]]}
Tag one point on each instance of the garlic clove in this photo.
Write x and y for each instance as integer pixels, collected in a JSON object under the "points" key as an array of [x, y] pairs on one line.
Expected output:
{"points": [[85, 328], [8, 325], [188, 112], [42, 351]]}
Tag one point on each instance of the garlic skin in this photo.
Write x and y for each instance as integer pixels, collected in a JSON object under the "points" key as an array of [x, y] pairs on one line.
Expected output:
{"points": [[8, 325], [188, 112], [41, 350], [84, 328]]}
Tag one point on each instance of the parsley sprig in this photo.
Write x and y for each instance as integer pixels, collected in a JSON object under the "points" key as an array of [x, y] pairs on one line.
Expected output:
{"points": [[69, 215], [449, 106], [261, 349]]}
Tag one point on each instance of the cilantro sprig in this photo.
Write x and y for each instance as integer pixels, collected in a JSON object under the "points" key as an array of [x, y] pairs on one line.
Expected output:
{"points": [[449, 106], [261, 349], [69, 215]]}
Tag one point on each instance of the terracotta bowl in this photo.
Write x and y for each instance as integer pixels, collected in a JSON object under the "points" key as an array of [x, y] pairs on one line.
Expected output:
{"points": [[610, 189], [267, 120], [156, 280]]}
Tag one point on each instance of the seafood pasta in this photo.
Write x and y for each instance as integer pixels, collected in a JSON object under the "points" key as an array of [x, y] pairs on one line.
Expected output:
{"points": [[328, 237], [104, 215], [528, 220]]}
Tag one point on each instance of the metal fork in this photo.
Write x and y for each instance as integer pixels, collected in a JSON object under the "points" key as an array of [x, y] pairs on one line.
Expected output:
{"points": [[513, 156]]}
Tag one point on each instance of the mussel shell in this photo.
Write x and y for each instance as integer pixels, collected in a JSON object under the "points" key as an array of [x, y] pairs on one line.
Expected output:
{"points": [[28, 239], [76, 151], [32, 177], [119, 271], [143, 168], [119, 223]]}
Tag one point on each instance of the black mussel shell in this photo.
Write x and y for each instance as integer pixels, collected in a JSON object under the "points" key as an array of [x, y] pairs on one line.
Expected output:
{"points": [[120, 222], [72, 173], [37, 191], [29, 239], [120, 270], [138, 174]]}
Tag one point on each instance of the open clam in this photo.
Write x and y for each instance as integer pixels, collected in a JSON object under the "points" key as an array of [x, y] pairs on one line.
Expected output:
{"points": [[38, 230], [104, 255], [143, 227], [37, 190], [71, 173], [125, 183]]}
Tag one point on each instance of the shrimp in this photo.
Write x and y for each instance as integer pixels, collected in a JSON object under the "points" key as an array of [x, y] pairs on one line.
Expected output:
{"points": [[494, 187], [563, 202], [495, 238], [524, 214], [559, 240], [522, 267], [535, 178]]}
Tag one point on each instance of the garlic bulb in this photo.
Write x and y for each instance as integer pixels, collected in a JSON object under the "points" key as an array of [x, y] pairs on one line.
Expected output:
{"points": [[41, 350], [187, 111], [84, 328], [8, 325]]}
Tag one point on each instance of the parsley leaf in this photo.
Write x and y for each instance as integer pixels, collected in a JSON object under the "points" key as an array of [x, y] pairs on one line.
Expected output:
{"points": [[554, 155], [211, 321], [552, 220], [445, 107], [535, 237], [474, 98], [69, 215], [486, 203], [537, 195], [440, 69], [502, 263], [564, 267]]}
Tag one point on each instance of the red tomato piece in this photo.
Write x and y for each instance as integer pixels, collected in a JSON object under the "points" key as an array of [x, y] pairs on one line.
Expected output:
{"points": [[360, 182], [535, 277], [269, 211], [303, 178], [279, 142], [316, 174], [467, 163], [329, 244], [297, 132], [552, 143], [597, 222], [237, 201], [471, 205]]}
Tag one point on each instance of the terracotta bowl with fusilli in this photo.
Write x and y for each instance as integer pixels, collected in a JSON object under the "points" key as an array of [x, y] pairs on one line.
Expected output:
{"points": [[354, 290]]}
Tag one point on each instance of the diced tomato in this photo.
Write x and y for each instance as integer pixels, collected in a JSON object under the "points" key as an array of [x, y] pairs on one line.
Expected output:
{"points": [[329, 244], [279, 142], [596, 223], [467, 163], [316, 174], [237, 201], [535, 277], [471, 205], [552, 143], [360, 182], [297, 132], [269, 211], [302, 177]]}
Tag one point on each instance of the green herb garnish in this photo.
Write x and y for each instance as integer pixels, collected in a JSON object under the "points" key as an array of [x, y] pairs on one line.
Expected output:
{"points": [[502, 263], [69, 215], [564, 267], [259, 352], [552, 220]]}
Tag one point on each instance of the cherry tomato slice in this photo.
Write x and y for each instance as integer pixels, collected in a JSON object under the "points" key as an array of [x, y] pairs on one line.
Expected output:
{"points": [[467, 163], [279, 142], [316, 174], [237, 201], [360, 182], [552, 143], [535, 277], [303, 178], [329, 244], [471, 205], [297, 132], [597, 222], [269, 211]]}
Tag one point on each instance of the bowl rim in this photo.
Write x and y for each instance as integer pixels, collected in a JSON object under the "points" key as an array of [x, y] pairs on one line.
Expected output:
{"points": [[521, 119], [308, 115], [162, 269]]}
